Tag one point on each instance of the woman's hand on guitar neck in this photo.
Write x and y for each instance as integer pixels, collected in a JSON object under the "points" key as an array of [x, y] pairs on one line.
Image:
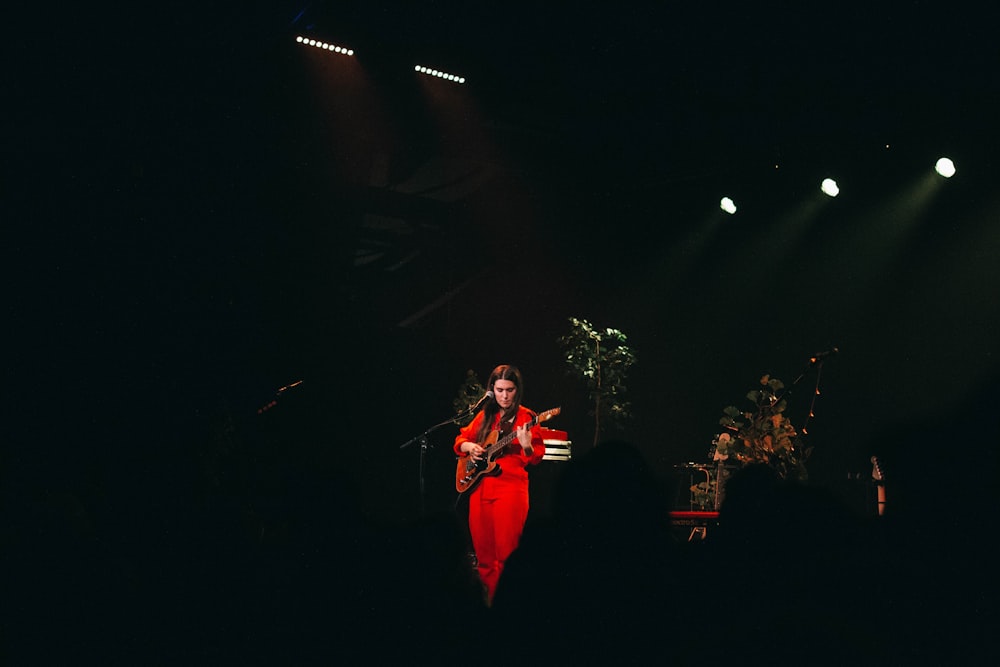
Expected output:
{"points": [[524, 437]]}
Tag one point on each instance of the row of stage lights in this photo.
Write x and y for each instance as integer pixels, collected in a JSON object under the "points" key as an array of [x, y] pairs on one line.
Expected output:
{"points": [[429, 71], [306, 41], [945, 167], [439, 74]]}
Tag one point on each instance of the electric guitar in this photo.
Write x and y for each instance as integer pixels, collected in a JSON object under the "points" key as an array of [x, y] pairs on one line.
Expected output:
{"points": [[879, 480], [469, 472]]}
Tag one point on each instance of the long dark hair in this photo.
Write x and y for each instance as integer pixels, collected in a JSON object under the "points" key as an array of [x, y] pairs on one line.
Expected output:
{"points": [[490, 410]]}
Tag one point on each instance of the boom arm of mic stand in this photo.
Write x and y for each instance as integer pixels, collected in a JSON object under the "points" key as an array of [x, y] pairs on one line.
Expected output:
{"points": [[816, 362], [423, 436]]}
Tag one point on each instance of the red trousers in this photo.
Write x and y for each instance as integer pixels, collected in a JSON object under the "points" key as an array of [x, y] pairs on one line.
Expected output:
{"points": [[498, 508]]}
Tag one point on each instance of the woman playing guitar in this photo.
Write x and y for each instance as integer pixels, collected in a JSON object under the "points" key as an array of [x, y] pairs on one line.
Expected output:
{"points": [[498, 499]]}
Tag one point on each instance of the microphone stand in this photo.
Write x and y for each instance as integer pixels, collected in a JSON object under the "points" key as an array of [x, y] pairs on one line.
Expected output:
{"points": [[815, 361], [424, 446]]}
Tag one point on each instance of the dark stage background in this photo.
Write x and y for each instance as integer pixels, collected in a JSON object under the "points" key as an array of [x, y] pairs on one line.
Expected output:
{"points": [[203, 211]]}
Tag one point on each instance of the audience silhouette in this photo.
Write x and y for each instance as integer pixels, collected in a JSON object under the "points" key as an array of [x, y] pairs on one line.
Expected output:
{"points": [[790, 575], [598, 580]]}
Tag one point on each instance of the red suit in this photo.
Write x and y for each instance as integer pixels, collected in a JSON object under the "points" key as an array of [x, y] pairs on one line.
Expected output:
{"points": [[498, 505]]}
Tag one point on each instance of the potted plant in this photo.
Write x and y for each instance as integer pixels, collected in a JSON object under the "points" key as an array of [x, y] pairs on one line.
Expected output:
{"points": [[758, 434], [602, 359]]}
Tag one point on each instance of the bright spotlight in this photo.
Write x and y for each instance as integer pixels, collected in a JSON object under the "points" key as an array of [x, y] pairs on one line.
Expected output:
{"points": [[727, 205], [829, 186], [945, 167]]}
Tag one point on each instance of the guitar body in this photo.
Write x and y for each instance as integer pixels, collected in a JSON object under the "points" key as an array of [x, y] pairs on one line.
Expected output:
{"points": [[469, 472]]}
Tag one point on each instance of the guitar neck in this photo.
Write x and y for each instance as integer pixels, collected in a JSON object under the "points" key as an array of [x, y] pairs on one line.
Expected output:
{"points": [[502, 443]]}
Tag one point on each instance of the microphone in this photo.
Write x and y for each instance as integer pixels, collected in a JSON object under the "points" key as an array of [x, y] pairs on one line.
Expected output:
{"points": [[823, 355], [482, 400]]}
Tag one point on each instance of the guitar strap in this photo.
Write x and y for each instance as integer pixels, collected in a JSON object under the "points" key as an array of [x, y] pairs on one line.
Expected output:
{"points": [[504, 427]]}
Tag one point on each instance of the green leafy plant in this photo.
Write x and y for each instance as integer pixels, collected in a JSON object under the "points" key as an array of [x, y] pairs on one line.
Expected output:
{"points": [[708, 495], [602, 359], [763, 434]]}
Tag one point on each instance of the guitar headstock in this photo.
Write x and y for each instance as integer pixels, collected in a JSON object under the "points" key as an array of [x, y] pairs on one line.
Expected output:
{"points": [[877, 470], [548, 414]]}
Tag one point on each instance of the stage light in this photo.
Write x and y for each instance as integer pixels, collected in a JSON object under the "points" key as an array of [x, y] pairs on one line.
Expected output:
{"points": [[308, 41], [727, 205], [441, 75], [945, 167], [829, 187]]}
